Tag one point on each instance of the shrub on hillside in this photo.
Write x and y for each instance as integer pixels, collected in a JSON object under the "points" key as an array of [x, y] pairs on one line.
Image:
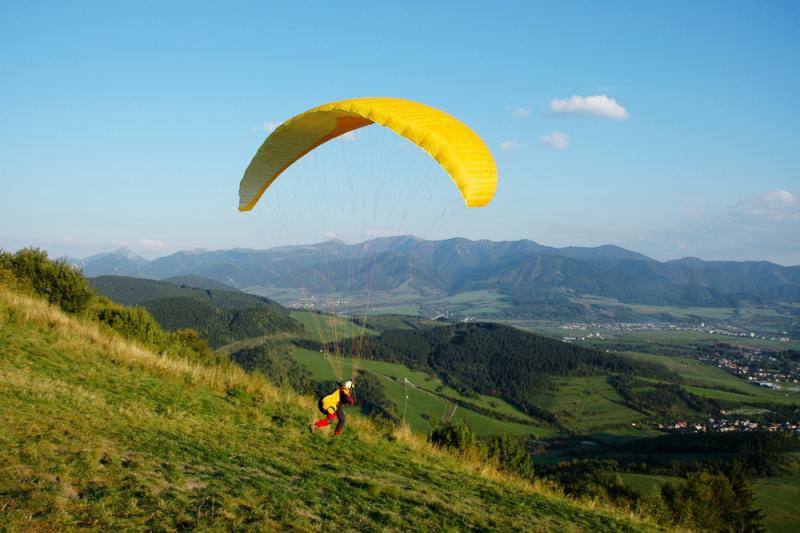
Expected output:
{"points": [[53, 279], [456, 436], [273, 361], [504, 451], [372, 399], [137, 324], [711, 503], [509, 454], [131, 322]]}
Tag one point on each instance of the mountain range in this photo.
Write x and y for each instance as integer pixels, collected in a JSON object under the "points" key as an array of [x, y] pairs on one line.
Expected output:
{"points": [[523, 270]]}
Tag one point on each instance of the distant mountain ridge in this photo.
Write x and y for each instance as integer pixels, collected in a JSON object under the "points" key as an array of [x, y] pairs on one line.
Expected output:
{"points": [[430, 268]]}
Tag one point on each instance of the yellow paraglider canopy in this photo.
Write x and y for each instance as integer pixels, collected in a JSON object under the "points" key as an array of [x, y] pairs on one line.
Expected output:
{"points": [[457, 148]]}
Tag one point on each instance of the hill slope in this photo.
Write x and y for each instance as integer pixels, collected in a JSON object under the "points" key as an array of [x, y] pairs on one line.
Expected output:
{"points": [[220, 316], [97, 432]]}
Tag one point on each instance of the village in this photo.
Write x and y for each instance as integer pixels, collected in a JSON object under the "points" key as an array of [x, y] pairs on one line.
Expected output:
{"points": [[627, 327], [727, 426]]}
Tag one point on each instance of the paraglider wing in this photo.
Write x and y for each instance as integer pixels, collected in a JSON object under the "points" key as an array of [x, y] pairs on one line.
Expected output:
{"points": [[460, 151]]}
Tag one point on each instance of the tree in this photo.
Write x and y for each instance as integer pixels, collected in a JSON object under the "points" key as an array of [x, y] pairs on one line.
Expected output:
{"points": [[510, 455], [458, 436], [55, 280], [711, 502]]}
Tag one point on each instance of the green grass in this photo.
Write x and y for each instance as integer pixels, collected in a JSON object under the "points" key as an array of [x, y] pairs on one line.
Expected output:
{"points": [[684, 337], [481, 302], [587, 404], [98, 433], [647, 484], [328, 328], [779, 497], [409, 309], [708, 313], [388, 321]]}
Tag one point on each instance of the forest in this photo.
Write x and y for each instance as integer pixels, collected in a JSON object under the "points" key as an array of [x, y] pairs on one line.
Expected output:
{"points": [[496, 360]]}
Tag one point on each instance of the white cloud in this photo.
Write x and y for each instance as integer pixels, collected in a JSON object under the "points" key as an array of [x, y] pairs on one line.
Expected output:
{"points": [[142, 244], [510, 146], [557, 140], [597, 106], [80, 241], [773, 206], [152, 244], [761, 227], [269, 127], [350, 136], [520, 112]]}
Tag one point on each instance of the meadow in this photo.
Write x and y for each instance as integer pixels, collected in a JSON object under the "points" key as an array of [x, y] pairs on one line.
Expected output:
{"points": [[588, 404], [98, 432], [688, 312]]}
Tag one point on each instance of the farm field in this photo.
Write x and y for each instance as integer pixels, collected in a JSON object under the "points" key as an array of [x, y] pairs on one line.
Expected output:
{"points": [[708, 313], [328, 328], [587, 404], [473, 302], [684, 337]]}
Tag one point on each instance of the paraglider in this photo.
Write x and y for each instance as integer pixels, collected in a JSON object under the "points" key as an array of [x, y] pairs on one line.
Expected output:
{"points": [[332, 406], [457, 148]]}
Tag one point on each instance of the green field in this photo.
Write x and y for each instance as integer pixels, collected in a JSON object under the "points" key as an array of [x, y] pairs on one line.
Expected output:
{"points": [[708, 313], [328, 328], [646, 484], [473, 303], [779, 497], [406, 309], [426, 396], [672, 338], [702, 378], [587, 404]]}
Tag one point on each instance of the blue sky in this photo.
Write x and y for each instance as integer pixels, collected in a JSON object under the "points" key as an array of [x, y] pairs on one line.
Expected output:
{"points": [[131, 123]]}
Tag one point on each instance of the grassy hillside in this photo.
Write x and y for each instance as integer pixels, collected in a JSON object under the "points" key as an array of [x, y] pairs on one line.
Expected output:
{"points": [[98, 432], [220, 316]]}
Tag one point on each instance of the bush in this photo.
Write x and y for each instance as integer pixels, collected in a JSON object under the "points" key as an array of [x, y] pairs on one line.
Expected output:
{"points": [[272, 359], [510, 455], [137, 324], [711, 502], [457, 436], [55, 280], [372, 400], [131, 322]]}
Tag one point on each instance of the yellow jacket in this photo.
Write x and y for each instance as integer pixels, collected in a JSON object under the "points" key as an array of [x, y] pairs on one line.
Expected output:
{"points": [[331, 402]]}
